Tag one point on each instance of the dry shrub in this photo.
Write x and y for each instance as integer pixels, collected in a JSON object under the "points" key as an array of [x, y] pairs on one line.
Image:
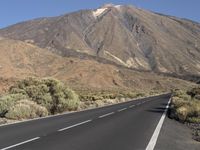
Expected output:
{"points": [[42, 97], [8, 101], [184, 107], [48, 92], [26, 109]]}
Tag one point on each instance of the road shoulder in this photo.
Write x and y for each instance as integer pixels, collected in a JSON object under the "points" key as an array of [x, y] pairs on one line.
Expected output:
{"points": [[175, 136]]}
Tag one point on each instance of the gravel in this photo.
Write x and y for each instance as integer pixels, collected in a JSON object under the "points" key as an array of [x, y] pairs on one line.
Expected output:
{"points": [[195, 130]]}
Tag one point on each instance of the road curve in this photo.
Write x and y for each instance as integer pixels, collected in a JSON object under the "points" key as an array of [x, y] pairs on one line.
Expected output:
{"points": [[125, 126]]}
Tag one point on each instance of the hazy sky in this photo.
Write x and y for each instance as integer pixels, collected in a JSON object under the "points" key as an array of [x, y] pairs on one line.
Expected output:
{"points": [[13, 11]]}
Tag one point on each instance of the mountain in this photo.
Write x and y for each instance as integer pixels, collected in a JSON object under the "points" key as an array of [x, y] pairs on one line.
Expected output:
{"points": [[20, 59], [125, 35]]}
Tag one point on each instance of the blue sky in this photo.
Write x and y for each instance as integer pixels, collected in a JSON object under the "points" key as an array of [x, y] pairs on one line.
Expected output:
{"points": [[13, 11]]}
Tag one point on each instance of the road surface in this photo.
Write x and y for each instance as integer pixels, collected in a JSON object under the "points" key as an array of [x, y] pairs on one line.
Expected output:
{"points": [[126, 126]]}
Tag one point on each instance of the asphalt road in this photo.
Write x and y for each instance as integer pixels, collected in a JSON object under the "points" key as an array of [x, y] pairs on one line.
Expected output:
{"points": [[125, 126]]}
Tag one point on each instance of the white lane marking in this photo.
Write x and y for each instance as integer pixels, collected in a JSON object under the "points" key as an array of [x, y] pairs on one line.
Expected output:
{"points": [[122, 109], [9, 147], [106, 115], [131, 106], [75, 125], [155, 135]]}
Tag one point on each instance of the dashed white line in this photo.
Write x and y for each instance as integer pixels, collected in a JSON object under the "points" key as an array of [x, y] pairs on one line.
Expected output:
{"points": [[75, 125], [131, 106], [108, 114], [9, 147], [155, 135], [122, 109]]}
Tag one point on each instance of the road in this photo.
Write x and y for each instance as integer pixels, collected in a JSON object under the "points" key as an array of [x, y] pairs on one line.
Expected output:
{"points": [[126, 126]]}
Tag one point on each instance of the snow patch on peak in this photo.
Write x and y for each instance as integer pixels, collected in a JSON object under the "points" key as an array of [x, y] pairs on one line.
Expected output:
{"points": [[117, 6], [105, 7], [99, 11]]}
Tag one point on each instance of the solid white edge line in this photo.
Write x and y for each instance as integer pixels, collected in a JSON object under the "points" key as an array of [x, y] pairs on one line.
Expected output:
{"points": [[156, 133], [75, 125], [122, 109], [108, 114], [9, 147]]}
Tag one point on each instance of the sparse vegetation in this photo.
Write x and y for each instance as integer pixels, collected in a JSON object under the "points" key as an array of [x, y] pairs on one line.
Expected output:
{"points": [[93, 98], [102, 95], [36, 97], [33, 97]]}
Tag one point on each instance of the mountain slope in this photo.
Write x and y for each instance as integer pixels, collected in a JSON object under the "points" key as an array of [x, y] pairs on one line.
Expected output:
{"points": [[126, 35], [20, 59]]}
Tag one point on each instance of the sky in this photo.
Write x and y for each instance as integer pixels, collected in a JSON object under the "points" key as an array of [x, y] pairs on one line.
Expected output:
{"points": [[14, 11]]}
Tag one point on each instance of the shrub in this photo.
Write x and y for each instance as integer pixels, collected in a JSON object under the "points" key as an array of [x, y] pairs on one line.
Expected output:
{"points": [[182, 113], [193, 120], [26, 109], [48, 93], [194, 92], [65, 99], [184, 107], [130, 95], [8, 101], [181, 94], [140, 94]]}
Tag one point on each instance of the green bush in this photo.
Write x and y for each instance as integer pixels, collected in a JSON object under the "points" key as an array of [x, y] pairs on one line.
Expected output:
{"points": [[26, 109]]}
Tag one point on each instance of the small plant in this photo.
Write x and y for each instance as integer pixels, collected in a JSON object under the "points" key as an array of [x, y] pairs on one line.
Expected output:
{"points": [[195, 92]]}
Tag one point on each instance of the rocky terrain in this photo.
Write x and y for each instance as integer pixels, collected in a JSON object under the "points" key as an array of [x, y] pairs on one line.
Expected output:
{"points": [[21, 59]]}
